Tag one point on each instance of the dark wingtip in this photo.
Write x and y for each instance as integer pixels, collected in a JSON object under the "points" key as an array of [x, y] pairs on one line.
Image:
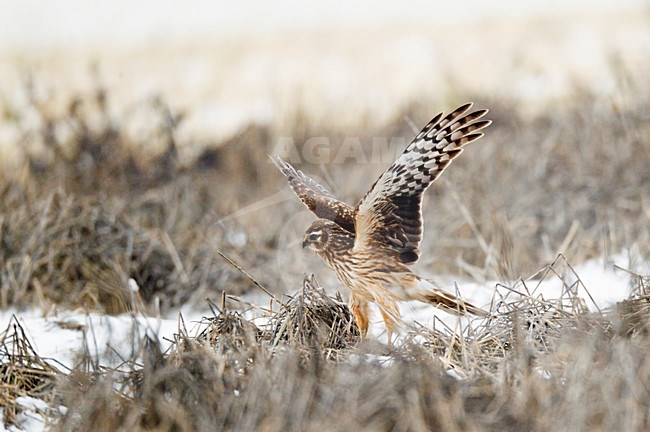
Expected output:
{"points": [[472, 137], [409, 256], [459, 111], [480, 113], [432, 123], [484, 123]]}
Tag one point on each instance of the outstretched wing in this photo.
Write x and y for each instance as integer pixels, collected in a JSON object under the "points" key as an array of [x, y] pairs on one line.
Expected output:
{"points": [[390, 215], [318, 199]]}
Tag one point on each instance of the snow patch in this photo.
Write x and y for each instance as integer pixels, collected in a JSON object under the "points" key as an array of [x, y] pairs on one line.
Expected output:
{"points": [[108, 339]]}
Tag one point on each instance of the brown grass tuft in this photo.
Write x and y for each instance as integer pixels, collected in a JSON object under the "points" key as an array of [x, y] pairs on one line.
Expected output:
{"points": [[22, 372], [314, 320]]}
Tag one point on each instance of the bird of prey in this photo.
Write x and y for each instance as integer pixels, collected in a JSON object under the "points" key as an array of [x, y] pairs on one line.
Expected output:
{"points": [[371, 246]]}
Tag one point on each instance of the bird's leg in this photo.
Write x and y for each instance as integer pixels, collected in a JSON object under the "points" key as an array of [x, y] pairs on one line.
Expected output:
{"points": [[391, 326], [359, 308], [390, 313]]}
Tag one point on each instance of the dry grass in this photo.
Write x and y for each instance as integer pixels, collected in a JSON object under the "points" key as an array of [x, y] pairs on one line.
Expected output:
{"points": [[313, 319], [535, 357], [89, 208], [302, 368], [22, 372]]}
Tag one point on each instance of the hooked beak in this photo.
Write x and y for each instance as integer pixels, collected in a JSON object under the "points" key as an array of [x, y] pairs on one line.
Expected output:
{"points": [[305, 242]]}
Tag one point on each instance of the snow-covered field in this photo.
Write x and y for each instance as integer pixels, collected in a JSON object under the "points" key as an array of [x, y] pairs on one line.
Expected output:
{"points": [[61, 336]]}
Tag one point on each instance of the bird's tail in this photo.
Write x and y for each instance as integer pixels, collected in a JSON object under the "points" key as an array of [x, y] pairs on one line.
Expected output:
{"points": [[425, 291]]}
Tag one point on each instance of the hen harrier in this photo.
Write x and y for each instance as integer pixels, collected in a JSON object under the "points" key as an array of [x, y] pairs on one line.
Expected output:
{"points": [[371, 246]]}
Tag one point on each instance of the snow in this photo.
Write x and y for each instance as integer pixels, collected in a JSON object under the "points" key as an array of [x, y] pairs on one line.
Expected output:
{"points": [[61, 336], [600, 282], [29, 419]]}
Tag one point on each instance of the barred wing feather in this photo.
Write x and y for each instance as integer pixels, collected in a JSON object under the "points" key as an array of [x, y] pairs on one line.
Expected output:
{"points": [[316, 197], [389, 216]]}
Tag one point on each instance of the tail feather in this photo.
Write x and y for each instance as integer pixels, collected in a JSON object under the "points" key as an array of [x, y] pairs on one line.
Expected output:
{"points": [[427, 292], [454, 305]]}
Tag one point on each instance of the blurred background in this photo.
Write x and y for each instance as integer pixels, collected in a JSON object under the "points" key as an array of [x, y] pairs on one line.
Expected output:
{"points": [[134, 137], [226, 66]]}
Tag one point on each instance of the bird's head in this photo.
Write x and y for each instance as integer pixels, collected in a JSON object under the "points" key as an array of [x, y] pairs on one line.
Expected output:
{"points": [[316, 236], [326, 235]]}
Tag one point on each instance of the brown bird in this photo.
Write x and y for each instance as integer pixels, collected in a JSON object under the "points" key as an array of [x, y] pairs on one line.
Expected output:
{"points": [[371, 246]]}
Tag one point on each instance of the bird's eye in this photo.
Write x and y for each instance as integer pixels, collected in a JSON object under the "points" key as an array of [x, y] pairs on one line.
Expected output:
{"points": [[313, 236]]}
